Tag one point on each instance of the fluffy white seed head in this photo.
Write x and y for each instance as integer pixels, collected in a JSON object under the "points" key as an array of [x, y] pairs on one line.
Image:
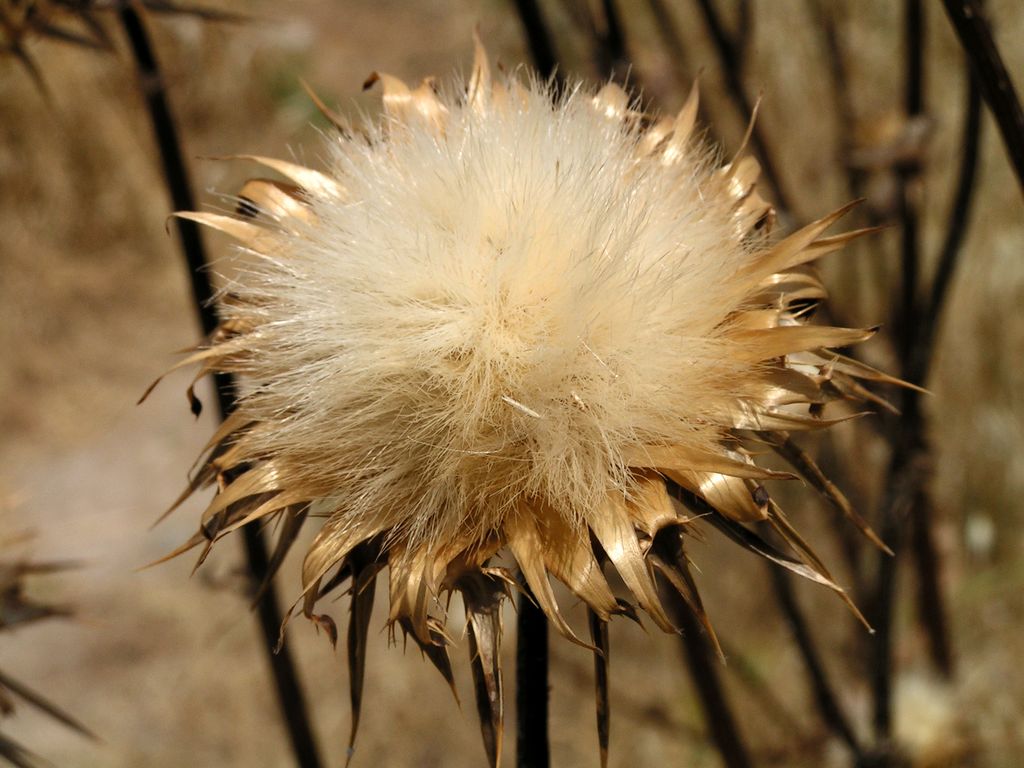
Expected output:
{"points": [[499, 307], [502, 319]]}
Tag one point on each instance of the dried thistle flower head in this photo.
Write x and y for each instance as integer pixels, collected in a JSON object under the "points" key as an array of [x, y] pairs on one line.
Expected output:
{"points": [[509, 319]]}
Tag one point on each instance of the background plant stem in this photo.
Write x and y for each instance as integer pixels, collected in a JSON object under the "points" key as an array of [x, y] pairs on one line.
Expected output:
{"points": [[821, 687], [289, 692], [538, 37], [969, 21], [532, 747], [907, 446], [730, 61], [704, 666]]}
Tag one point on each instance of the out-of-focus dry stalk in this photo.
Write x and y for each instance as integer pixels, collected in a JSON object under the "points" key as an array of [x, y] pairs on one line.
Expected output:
{"points": [[609, 51], [834, 53], [18, 609], [538, 37], [958, 220], [703, 665], [821, 688], [289, 693], [744, 31], [615, 58], [905, 467], [760, 690], [968, 19], [532, 746], [672, 42], [907, 494], [665, 26], [931, 605], [729, 59]]}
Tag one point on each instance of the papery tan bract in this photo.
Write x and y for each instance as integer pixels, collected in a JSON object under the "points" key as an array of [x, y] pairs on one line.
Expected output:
{"points": [[506, 319]]}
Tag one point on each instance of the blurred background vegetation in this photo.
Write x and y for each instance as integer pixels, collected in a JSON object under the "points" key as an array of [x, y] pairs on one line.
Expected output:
{"points": [[94, 297]]}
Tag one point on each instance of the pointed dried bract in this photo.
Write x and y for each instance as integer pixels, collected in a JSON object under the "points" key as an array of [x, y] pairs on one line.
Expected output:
{"points": [[482, 593], [509, 319]]}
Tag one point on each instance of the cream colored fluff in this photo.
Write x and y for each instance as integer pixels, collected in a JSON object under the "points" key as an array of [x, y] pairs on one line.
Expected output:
{"points": [[494, 310], [500, 321]]}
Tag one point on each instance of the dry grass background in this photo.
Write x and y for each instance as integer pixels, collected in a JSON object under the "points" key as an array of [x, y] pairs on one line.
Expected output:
{"points": [[93, 299]]}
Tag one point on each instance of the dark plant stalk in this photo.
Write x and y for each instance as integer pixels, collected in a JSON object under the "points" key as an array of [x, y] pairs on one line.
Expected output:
{"points": [[898, 498], [931, 605], [906, 477], [968, 19], [744, 30], [704, 665], [538, 37], [821, 687], [607, 36], [665, 26], [835, 58], [729, 61], [532, 747], [289, 692], [908, 447], [910, 179], [958, 220], [761, 692], [615, 58]]}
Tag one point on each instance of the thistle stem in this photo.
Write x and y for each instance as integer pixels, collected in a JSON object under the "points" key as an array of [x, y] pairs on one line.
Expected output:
{"points": [[615, 58], [289, 691], [968, 19], [834, 52], [959, 219], [704, 665], [908, 446], [931, 605], [671, 41], [532, 747], [538, 37], [729, 59], [821, 687]]}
